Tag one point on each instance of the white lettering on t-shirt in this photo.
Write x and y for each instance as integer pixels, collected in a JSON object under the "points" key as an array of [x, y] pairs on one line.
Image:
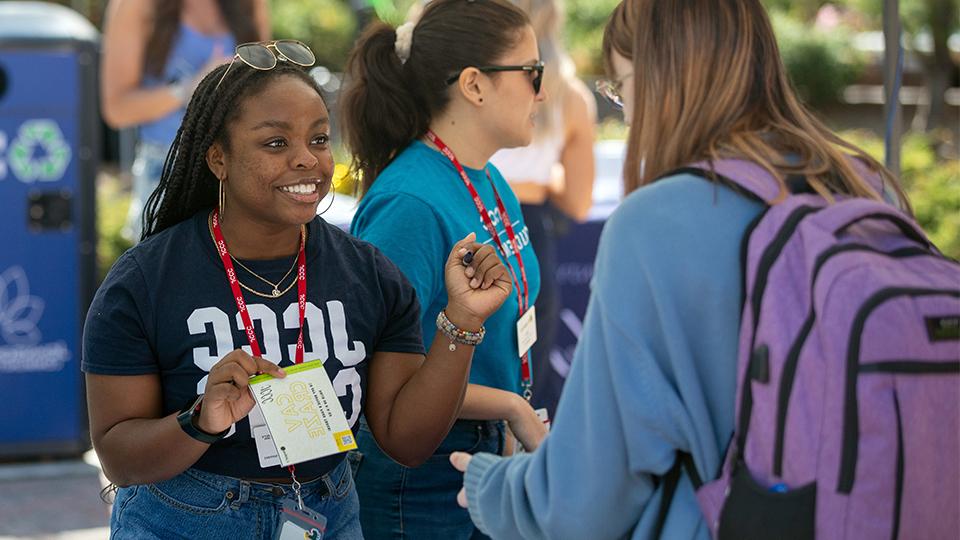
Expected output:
{"points": [[205, 357], [338, 328], [270, 346], [349, 378], [523, 238]]}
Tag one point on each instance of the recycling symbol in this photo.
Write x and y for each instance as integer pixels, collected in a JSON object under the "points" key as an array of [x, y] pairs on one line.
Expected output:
{"points": [[39, 152]]}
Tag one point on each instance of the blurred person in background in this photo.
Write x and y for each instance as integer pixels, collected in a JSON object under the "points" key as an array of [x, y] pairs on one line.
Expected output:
{"points": [[155, 52], [552, 178]]}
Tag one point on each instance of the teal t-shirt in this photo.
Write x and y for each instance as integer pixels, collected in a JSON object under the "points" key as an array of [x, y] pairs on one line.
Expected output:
{"points": [[414, 212]]}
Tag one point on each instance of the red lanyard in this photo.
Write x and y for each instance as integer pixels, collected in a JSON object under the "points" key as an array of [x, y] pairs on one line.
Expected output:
{"points": [[523, 296], [242, 306], [238, 294]]}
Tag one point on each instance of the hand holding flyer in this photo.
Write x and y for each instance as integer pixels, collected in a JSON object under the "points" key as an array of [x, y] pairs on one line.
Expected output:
{"points": [[303, 413]]}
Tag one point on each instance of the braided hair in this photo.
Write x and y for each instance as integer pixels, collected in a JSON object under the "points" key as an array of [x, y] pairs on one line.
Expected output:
{"points": [[187, 185]]}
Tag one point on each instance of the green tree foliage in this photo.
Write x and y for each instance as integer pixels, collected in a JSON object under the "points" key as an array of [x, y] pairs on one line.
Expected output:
{"points": [[584, 32], [392, 11], [820, 64], [327, 26], [802, 10], [914, 14], [113, 202]]}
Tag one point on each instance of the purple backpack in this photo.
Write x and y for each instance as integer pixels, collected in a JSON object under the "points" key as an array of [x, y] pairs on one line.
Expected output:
{"points": [[848, 370]]}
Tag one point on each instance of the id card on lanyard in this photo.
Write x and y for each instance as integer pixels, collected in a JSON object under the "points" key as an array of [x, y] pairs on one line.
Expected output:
{"points": [[273, 432], [527, 321], [295, 520]]}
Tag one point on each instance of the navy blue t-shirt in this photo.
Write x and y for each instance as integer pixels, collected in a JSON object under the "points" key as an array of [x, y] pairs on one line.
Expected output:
{"points": [[166, 308]]}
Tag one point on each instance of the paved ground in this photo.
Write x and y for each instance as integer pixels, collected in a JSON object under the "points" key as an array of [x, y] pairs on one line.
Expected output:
{"points": [[52, 500]]}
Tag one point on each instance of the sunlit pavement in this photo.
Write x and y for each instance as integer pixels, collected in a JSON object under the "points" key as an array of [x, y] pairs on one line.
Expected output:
{"points": [[52, 500]]}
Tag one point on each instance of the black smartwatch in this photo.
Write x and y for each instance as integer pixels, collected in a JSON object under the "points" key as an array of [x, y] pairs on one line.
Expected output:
{"points": [[188, 423]]}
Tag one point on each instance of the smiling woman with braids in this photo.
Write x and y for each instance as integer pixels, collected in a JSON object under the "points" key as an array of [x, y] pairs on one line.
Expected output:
{"points": [[249, 165]]}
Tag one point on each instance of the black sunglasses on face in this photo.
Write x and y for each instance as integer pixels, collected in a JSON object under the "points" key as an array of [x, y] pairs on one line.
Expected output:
{"points": [[536, 81]]}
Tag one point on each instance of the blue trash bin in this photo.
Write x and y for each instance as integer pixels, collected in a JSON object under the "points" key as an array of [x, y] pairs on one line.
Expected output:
{"points": [[49, 131]]}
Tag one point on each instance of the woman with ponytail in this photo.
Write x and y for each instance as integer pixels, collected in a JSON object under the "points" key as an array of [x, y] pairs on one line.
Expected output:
{"points": [[425, 107]]}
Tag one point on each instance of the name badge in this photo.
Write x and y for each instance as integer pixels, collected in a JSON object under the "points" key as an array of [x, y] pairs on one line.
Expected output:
{"points": [[544, 417], [303, 415], [266, 451], [527, 331], [299, 523]]}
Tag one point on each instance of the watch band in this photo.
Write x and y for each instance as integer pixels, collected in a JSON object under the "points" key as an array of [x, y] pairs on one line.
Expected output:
{"points": [[188, 423]]}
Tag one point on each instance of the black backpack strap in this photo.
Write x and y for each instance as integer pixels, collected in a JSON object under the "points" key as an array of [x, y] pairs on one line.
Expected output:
{"points": [[670, 481]]}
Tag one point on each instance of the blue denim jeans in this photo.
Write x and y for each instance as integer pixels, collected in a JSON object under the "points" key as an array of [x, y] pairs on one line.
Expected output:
{"points": [[398, 502], [200, 505], [146, 171]]}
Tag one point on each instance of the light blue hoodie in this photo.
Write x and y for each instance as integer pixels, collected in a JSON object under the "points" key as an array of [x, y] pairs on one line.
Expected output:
{"points": [[653, 373]]}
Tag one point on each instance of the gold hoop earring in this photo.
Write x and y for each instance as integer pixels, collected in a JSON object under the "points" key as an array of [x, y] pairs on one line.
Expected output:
{"points": [[332, 197], [221, 199]]}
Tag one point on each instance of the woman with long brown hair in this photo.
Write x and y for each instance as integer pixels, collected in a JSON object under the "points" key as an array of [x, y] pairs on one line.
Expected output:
{"points": [[154, 54], [655, 369]]}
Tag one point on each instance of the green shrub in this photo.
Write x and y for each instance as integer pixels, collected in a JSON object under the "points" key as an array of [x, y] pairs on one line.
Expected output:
{"points": [[820, 64], [935, 195], [583, 32], [327, 26], [932, 185], [112, 204]]}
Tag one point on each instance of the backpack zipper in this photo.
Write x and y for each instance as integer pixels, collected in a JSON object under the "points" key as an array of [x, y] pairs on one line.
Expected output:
{"points": [[851, 420], [898, 494], [769, 257], [793, 355]]}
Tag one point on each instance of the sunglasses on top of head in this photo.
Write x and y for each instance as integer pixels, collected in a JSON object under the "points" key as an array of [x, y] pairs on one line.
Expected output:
{"points": [[264, 55], [536, 69]]}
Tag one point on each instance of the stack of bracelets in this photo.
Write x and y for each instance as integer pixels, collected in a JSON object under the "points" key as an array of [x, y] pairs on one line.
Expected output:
{"points": [[457, 335]]}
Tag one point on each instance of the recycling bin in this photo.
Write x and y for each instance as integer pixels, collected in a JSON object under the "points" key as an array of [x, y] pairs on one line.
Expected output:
{"points": [[49, 131]]}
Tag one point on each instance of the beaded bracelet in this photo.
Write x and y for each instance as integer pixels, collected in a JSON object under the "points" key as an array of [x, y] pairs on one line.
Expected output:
{"points": [[458, 335]]}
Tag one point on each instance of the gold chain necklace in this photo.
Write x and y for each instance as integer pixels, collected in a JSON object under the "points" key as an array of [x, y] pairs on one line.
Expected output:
{"points": [[273, 294], [276, 292], [276, 286]]}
